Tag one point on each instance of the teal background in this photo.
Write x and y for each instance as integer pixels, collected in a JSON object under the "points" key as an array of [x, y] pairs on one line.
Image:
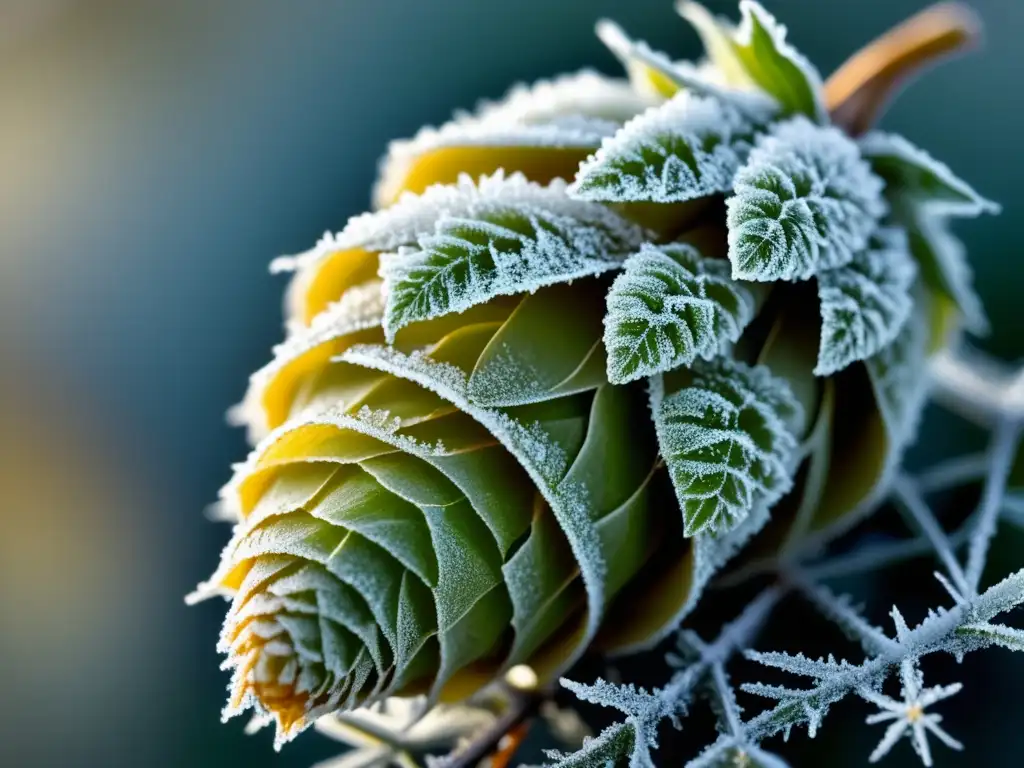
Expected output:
{"points": [[153, 157]]}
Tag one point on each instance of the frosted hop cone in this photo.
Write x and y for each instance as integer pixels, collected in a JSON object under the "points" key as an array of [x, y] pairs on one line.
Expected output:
{"points": [[593, 340]]}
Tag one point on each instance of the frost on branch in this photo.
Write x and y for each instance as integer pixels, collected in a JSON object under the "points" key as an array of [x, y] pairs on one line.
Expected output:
{"points": [[513, 244], [687, 148], [805, 202], [726, 439], [865, 304], [669, 307]]}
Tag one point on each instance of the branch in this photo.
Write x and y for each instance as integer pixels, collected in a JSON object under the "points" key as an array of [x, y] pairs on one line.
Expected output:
{"points": [[1004, 444], [522, 706], [911, 501]]}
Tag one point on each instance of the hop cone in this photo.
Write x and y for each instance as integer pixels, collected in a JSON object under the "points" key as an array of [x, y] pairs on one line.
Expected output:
{"points": [[516, 417]]}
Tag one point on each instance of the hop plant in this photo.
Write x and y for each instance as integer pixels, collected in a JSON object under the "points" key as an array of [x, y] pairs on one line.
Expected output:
{"points": [[593, 339]]}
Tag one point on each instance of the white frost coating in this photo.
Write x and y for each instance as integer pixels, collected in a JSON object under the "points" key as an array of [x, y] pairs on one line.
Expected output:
{"points": [[378, 424], [669, 307], [753, 13], [573, 131], [509, 244], [900, 379], [544, 461], [414, 215], [725, 440], [581, 94], [865, 304], [688, 147], [943, 258], [927, 181], [360, 308], [703, 80], [805, 202]]}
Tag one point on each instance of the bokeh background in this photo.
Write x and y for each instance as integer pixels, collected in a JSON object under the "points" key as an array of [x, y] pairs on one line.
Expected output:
{"points": [[154, 156]]}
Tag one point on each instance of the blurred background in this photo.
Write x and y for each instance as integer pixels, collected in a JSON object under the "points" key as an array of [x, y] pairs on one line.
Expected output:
{"points": [[153, 157]]}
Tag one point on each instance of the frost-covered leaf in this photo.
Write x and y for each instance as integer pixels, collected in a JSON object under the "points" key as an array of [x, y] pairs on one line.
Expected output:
{"points": [[718, 35], [652, 73], [687, 148], [656, 74], [725, 439], [914, 175], [669, 307], [583, 94], [942, 260], [533, 237], [543, 130], [805, 202], [775, 66], [865, 304], [899, 379]]}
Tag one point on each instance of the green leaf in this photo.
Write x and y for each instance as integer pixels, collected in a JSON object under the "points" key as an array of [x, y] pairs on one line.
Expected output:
{"points": [[775, 66], [912, 175], [805, 202], [865, 304], [688, 148], [725, 441], [518, 242], [525, 363], [669, 307], [656, 75]]}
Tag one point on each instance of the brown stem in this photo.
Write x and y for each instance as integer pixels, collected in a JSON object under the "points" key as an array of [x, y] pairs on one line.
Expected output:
{"points": [[859, 90], [524, 705]]}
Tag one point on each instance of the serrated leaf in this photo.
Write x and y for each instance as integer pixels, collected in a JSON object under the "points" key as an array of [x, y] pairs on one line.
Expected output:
{"points": [[510, 246], [775, 66], [805, 202], [687, 148], [865, 304], [912, 174], [669, 307], [726, 444]]}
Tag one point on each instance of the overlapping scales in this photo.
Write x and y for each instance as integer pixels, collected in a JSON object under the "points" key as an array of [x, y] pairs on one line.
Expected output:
{"points": [[542, 131], [401, 529]]}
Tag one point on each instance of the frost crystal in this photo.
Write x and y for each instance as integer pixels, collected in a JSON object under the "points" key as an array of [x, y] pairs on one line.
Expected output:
{"points": [[805, 202], [669, 307], [513, 245], [909, 716], [687, 148], [865, 304], [726, 442]]}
